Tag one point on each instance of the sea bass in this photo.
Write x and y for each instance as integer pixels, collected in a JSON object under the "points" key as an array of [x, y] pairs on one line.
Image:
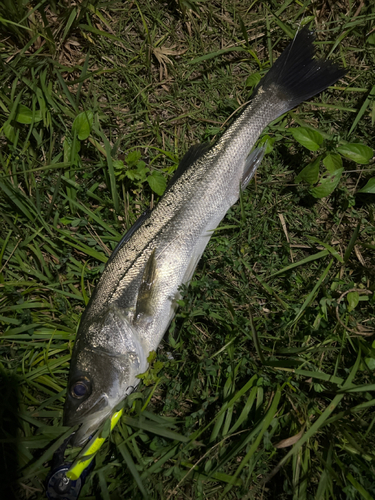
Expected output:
{"points": [[136, 297]]}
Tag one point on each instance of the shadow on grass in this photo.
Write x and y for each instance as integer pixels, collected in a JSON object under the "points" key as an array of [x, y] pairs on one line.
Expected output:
{"points": [[8, 433]]}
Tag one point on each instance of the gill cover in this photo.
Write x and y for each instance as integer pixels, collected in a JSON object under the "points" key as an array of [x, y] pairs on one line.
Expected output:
{"points": [[104, 366]]}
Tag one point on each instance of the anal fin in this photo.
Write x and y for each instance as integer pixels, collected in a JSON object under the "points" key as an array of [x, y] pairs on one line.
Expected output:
{"points": [[252, 163]]}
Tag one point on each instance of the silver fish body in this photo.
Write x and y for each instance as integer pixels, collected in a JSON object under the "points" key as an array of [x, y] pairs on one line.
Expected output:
{"points": [[135, 299]]}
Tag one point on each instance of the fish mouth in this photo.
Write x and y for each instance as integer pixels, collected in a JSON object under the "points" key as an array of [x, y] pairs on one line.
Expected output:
{"points": [[88, 428], [100, 404]]}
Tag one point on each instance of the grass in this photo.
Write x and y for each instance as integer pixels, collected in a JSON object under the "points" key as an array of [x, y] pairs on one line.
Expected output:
{"points": [[264, 385]]}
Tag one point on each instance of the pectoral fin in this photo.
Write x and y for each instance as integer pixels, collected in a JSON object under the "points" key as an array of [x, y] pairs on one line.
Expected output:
{"points": [[146, 289]]}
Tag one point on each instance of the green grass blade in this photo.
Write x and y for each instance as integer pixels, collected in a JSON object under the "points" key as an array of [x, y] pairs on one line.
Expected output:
{"points": [[302, 262], [312, 294], [266, 422], [361, 490], [362, 110], [132, 468]]}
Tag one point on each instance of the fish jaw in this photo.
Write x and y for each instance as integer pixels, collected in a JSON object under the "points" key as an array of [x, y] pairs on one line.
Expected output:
{"points": [[88, 427], [106, 363]]}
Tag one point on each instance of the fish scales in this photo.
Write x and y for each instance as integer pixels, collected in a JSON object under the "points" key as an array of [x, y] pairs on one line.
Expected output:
{"points": [[194, 199], [136, 297]]}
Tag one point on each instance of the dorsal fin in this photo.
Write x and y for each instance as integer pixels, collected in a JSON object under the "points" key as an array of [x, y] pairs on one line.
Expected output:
{"points": [[137, 224], [191, 155]]}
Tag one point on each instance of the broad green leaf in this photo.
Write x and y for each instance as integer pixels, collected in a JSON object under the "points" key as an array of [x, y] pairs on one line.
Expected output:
{"points": [[157, 182], [369, 187], [327, 184], [310, 139], [310, 173], [25, 115], [9, 132], [138, 174], [353, 299], [370, 362], [268, 141], [132, 175], [141, 165], [332, 162], [360, 153], [118, 165], [65, 221], [82, 124], [132, 158], [253, 80]]}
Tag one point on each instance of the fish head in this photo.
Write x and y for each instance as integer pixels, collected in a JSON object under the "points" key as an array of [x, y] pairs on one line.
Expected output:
{"points": [[105, 363]]}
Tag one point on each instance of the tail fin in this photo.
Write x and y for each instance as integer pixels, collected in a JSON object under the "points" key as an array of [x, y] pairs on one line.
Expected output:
{"points": [[297, 74]]}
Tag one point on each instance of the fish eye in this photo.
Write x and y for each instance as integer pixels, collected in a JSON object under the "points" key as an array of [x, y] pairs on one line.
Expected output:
{"points": [[80, 388]]}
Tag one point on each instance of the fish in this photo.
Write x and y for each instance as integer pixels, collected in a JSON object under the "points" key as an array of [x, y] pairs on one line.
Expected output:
{"points": [[136, 297]]}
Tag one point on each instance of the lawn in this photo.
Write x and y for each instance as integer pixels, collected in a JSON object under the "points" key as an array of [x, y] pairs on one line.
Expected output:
{"points": [[263, 387]]}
